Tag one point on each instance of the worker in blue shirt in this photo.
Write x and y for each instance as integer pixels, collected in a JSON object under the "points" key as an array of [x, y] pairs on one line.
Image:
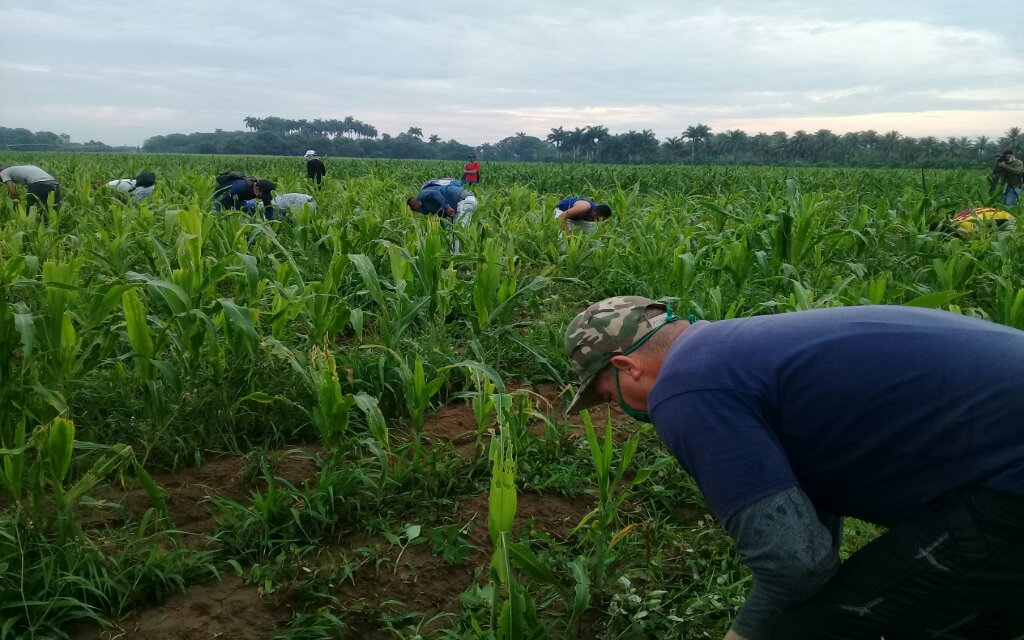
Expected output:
{"points": [[234, 193], [904, 417], [449, 201]]}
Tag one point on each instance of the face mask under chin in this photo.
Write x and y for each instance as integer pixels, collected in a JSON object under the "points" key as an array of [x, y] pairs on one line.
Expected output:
{"points": [[641, 416]]}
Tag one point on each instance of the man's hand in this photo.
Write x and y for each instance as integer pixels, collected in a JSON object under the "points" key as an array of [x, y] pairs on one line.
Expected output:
{"points": [[450, 212], [732, 635]]}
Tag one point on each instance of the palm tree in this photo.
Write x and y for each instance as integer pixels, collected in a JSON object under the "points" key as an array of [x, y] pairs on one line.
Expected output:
{"points": [[252, 123], [981, 145], [1011, 139], [415, 132], [557, 137], [696, 134], [434, 139], [673, 147], [737, 140]]}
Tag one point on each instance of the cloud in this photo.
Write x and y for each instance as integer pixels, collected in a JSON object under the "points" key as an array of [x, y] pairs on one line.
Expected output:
{"points": [[95, 69]]}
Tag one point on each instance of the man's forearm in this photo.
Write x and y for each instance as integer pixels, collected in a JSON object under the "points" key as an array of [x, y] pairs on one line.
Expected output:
{"points": [[791, 558]]}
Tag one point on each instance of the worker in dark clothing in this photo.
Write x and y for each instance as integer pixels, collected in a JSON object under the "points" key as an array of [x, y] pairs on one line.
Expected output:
{"points": [[315, 169], [235, 189]]}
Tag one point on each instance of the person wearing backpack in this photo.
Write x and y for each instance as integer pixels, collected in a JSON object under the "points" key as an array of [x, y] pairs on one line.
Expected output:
{"points": [[234, 189], [580, 213], [450, 202], [315, 168]]}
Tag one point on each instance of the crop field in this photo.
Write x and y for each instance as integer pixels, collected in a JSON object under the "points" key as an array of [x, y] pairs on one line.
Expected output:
{"points": [[212, 426]]}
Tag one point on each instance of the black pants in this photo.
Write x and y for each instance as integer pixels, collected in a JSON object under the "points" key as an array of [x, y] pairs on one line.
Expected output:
{"points": [[39, 194], [953, 571]]}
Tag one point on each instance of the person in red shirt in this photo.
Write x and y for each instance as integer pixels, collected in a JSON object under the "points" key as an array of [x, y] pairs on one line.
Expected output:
{"points": [[471, 172]]}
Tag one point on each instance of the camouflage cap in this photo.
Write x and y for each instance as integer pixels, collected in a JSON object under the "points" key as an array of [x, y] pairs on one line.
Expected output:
{"points": [[606, 329]]}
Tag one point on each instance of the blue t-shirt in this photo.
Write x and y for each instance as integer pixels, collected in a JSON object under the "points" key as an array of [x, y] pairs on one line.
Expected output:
{"points": [[437, 199], [568, 203], [872, 411]]}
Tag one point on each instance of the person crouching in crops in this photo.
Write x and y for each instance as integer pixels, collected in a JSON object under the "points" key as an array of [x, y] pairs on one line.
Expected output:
{"points": [[452, 203], [904, 417], [41, 186], [283, 204], [235, 189], [140, 187], [580, 213], [968, 221]]}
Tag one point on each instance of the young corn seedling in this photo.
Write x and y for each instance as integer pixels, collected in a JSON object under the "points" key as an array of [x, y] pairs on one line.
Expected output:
{"points": [[513, 613], [613, 489], [331, 413]]}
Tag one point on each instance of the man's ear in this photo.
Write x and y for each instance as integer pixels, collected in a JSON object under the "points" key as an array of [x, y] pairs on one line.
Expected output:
{"points": [[628, 365]]}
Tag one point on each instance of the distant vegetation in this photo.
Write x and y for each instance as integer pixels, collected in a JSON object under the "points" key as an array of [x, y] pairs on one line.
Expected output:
{"points": [[698, 144]]}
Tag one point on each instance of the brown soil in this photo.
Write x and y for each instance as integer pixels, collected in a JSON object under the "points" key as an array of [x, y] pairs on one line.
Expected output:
{"points": [[226, 610], [297, 466], [422, 583], [186, 492], [456, 425]]}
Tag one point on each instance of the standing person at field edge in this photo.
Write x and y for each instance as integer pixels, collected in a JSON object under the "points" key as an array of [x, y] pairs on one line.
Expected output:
{"points": [[449, 201], [471, 172], [234, 189], [39, 186], [315, 168], [905, 417], [581, 213], [1009, 170]]}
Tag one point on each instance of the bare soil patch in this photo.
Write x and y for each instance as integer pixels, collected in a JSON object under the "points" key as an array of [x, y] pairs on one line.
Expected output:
{"points": [[226, 610], [423, 583], [456, 425], [186, 493]]}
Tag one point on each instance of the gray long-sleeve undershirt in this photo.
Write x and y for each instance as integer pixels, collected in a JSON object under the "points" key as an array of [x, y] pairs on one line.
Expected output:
{"points": [[791, 549]]}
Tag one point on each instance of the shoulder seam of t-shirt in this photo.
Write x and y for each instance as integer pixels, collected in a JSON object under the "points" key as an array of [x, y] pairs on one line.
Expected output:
{"points": [[702, 389]]}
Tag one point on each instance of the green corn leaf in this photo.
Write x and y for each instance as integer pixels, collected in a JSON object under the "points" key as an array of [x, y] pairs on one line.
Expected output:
{"points": [[139, 334], [244, 334], [151, 488], [531, 565], [581, 579], [934, 300], [370, 279]]}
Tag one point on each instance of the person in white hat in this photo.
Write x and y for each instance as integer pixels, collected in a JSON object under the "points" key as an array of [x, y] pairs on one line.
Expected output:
{"points": [[315, 169]]}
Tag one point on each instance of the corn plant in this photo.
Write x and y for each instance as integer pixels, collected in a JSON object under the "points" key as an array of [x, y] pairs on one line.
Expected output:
{"points": [[36, 473], [513, 613], [613, 487]]}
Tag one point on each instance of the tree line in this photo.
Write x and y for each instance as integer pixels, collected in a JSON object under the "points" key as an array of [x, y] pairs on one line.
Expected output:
{"points": [[25, 140], [697, 144]]}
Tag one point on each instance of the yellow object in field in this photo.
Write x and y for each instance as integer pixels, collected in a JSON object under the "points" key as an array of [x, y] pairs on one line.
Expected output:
{"points": [[968, 220]]}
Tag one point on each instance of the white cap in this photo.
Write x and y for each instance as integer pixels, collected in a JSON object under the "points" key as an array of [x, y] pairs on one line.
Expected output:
{"points": [[310, 153]]}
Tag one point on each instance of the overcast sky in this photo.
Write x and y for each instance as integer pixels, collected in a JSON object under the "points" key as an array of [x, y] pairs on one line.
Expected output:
{"points": [[478, 71]]}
